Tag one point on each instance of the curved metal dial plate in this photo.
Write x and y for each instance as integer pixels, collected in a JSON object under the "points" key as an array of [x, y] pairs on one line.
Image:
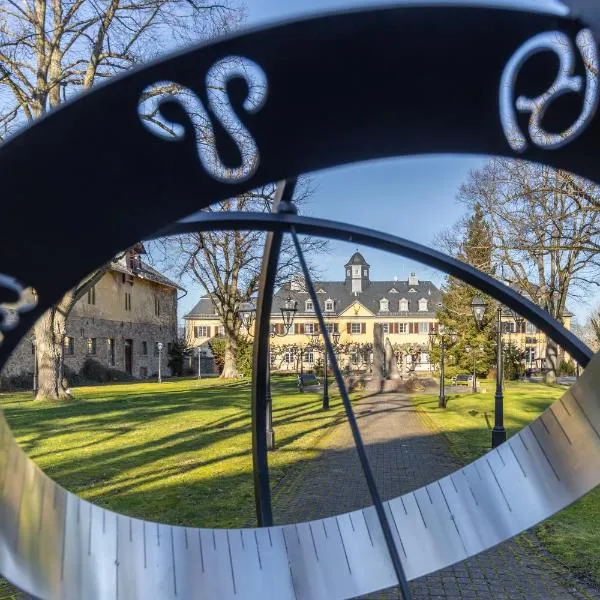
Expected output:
{"points": [[58, 546]]}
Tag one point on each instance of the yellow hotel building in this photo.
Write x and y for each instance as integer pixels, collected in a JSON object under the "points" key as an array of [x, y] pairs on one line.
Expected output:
{"points": [[352, 306]]}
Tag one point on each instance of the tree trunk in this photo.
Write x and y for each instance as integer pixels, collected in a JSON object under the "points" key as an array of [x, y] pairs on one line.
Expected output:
{"points": [[49, 336], [229, 368], [551, 360]]}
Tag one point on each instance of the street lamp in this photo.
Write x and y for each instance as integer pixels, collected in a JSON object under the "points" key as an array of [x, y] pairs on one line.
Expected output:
{"points": [[35, 371], [446, 339], [159, 345], [478, 306], [315, 340], [247, 314]]}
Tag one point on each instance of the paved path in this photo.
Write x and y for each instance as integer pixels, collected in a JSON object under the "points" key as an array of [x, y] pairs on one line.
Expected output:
{"points": [[405, 454]]}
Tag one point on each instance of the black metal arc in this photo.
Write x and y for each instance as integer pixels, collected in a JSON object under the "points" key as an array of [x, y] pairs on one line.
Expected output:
{"points": [[360, 448], [396, 245], [260, 373]]}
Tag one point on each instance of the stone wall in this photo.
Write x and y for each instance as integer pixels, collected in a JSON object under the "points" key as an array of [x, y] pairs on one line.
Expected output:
{"points": [[82, 328]]}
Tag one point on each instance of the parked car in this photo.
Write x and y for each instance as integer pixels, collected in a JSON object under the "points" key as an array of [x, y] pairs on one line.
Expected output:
{"points": [[462, 379]]}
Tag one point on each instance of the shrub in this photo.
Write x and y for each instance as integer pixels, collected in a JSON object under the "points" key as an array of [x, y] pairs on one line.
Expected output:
{"points": [[179, 349], [567, 368], [15, 383], [96, 372], [217, 347], [243, 358]]}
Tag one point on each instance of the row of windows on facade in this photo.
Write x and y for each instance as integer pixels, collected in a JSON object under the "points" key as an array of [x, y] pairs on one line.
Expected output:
{"points": [[289, 357], [357, 328], [91, 346], [91, 299], [384, 305]]}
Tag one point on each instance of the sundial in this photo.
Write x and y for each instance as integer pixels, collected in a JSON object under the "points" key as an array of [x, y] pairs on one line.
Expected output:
{"points": [[286, 100]]}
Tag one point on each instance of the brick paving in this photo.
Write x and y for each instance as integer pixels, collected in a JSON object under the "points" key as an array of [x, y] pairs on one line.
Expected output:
{"points": [[405, 453]]}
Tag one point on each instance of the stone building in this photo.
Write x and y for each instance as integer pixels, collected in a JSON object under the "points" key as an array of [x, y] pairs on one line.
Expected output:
{"points": [[352, 306], [118, 322]]}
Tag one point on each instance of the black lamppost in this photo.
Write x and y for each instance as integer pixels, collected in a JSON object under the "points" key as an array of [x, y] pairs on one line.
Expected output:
{"points": [[478, 306], [335, 338], [159, 345], [446, 339], [35, 369], [247, 315]]}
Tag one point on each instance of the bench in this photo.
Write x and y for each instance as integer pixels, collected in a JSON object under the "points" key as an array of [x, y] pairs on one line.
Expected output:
{"points": [[309, 380], [463, 379]]}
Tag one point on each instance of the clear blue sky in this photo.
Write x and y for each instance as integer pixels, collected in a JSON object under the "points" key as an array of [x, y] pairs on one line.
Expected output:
{"points": [[409, 197]]}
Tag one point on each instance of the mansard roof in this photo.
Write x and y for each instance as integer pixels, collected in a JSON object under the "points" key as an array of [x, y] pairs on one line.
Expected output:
{"points": [[343, 297], [203, 308]]}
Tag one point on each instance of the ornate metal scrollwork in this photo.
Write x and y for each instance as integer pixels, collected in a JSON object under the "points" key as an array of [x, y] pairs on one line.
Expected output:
{"points": [[157, 95], [565, 82], [10, 311]]}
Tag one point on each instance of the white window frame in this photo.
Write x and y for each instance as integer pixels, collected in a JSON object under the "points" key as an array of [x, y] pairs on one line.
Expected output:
{"points": [[403, 302], [530, 328], [287, 357], [423, 305], [309, 306], [356, 272], [330, 327], [309, 328], [386, 327], [402, 327], [352, 328], [309, 357], [329, 305], [509, 327], [384, 305], [202, 331], [423, 327]]}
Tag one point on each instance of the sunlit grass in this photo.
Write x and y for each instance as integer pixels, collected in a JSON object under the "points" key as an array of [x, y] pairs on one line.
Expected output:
{"points": [[573, 535], [178, 452]]}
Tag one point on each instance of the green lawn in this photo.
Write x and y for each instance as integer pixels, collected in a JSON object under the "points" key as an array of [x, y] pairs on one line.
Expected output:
{"points": [[573, 535], [179, 452]]}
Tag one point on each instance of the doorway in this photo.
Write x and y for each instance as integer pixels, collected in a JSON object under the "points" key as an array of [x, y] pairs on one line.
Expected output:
{"points": [[129, 356]]}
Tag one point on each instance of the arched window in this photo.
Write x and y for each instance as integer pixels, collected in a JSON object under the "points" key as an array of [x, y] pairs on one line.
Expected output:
{"points": [[403, 306], [423, 304], [384, 305]]}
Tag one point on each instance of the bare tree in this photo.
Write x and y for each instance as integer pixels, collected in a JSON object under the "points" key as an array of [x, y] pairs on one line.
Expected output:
{"points": [[589, 331], [545, 231], [51, 50], [226, 264]]}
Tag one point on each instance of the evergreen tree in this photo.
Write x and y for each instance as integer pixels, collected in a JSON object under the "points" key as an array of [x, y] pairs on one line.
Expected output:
{"points": [[456, 313]]}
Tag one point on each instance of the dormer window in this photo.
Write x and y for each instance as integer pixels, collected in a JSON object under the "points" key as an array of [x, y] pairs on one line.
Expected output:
{"points": [[403, 306], [329, 305], [393, 291], [308, 306], [384, 305], [423, 304]]}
